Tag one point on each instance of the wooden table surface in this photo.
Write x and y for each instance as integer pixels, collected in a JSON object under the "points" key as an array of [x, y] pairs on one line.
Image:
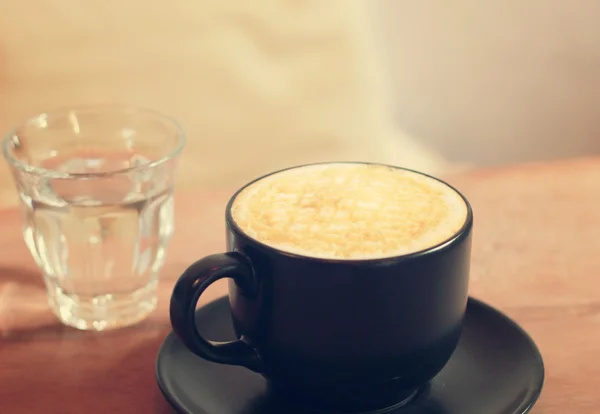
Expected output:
{"points": [[536, 257]]}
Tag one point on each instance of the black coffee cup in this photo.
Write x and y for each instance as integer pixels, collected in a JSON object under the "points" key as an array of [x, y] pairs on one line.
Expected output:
{"points": [[347, 335]]}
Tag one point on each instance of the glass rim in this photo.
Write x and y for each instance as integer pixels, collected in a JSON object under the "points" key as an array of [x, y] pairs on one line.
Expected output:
{"points": [[65, 112]]}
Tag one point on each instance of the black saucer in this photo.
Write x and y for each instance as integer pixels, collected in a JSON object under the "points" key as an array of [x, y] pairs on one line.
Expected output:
{"points": [[496, 369]]}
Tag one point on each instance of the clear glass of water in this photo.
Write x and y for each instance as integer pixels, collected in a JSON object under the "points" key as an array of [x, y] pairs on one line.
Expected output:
{"points": [[96, 194]]}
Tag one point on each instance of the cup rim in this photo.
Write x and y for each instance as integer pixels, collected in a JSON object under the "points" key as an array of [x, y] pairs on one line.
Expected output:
{"points": [[66, 111], [459, 234]]}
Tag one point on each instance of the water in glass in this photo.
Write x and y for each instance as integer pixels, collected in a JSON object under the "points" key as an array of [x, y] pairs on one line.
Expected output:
{"points": [[98, 221]]}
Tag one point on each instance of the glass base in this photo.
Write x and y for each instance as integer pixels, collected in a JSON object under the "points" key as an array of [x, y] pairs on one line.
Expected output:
{"points": [[102, 312]]}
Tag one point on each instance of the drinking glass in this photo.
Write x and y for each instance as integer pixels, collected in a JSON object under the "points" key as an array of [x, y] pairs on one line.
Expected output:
{"points": [[96, 195]]}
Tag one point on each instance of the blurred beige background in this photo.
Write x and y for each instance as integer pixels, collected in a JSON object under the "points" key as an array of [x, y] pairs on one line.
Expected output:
{"points": [[257, 85], [495, 82], [266, 84]]}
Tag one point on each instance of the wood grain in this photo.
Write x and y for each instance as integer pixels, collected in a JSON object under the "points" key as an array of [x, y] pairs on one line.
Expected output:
{"points": [[535, 257]]}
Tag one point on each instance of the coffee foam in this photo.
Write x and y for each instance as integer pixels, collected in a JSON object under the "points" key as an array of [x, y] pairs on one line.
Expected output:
{"points": [[349, 211]]}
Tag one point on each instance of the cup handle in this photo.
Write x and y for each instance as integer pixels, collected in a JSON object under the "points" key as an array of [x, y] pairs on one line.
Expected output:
{"points": [[191, 284]]}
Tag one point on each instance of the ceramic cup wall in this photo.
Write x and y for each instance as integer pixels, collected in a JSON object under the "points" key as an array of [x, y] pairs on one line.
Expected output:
{"points": [[347, 335]]}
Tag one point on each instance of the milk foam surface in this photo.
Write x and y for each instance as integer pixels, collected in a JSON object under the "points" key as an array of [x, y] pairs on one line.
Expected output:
{"points": [[349, 211]]}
